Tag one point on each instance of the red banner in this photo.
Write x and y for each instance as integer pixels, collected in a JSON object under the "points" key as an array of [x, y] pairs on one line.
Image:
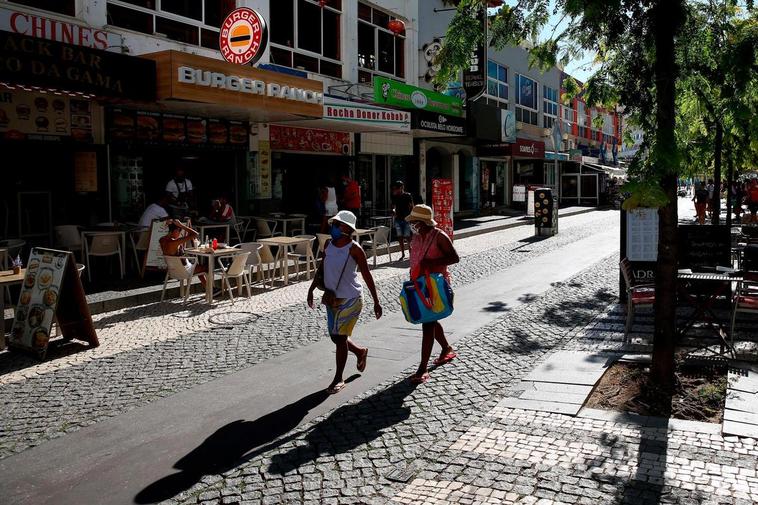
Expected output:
{"points": [[290, 138], [442, 203]]}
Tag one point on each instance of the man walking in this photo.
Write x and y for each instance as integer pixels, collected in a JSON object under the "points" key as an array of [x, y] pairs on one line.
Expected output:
{"points": [[402, 204]]}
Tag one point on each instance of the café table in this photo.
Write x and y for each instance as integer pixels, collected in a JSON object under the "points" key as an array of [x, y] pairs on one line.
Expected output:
{"points": [[202, 227], [716, 285], [364, 232], [211, 255], [7, 279], [285, 220], [284, 245], [381, 221]]}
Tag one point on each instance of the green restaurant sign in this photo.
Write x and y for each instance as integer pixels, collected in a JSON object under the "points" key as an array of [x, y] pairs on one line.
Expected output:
{"points": [[398, 94]]}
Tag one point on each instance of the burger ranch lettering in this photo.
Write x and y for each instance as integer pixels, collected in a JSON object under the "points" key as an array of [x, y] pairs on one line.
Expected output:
{"points": [[198, 77], [370, 115], [57, 62]]}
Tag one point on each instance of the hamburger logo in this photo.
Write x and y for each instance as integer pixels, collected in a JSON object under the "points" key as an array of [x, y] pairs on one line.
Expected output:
{"points": [[243, 36]]}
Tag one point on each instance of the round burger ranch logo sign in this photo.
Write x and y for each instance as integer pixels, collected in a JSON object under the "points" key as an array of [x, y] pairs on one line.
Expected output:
{"points": [[243, 36]]}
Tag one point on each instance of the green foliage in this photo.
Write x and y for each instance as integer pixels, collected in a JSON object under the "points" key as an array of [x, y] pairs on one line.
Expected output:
{"points": [[647, 193]]}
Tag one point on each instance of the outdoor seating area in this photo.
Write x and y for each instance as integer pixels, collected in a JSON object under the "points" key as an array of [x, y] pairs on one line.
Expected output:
{"points": [[717, 296]]}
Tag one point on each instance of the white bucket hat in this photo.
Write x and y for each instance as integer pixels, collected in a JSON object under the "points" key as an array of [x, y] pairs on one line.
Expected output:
{"points": [[345, 217]]}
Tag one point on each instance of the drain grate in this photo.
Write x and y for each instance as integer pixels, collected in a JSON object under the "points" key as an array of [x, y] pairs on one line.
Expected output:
{"points": [[401, 474]]}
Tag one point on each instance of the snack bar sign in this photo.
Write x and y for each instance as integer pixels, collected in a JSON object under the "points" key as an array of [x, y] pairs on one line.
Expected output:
{"points": [[243, 37], [238, 84], [398, 94]]}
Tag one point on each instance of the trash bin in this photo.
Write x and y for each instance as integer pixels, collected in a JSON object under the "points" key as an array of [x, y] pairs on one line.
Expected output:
{"points": [[545, 212]]}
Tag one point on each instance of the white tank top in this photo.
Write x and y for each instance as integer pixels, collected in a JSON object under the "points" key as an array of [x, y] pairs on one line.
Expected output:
{"points": [[335, 259]]}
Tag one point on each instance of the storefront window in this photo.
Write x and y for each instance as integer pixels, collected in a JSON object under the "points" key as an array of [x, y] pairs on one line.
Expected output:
{"points": [[194, 22], [67, 7], [549, 106], [380, 51], [497, 82], [306, 35], [526, 100]]}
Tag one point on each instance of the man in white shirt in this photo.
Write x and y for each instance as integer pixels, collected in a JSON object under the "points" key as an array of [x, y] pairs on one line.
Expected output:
{"points": [[180, 190], [154, 211]]}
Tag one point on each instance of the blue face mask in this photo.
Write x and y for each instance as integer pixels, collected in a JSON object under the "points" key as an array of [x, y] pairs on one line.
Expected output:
{"points": [[336, 232]]}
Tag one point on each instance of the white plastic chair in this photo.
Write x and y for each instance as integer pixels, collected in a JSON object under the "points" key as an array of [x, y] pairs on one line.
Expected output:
{"points": [[298, 227], [254, 262], [269, 260], [140, 246], [381, 240], [322, 239], [103, 245], [240, 224], [303, 253], [69, 238], [176, 269], [237, 270], [265, 228]]}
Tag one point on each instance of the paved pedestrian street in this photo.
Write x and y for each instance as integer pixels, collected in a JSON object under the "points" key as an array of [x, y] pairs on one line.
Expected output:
{"points": [[446, 441]]}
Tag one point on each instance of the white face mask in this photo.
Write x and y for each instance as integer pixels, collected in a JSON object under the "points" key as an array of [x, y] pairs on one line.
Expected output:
{"points": [[415, 228]]}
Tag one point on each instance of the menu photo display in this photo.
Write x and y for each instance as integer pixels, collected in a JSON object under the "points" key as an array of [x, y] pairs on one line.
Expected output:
{"points": [[44, 116]]}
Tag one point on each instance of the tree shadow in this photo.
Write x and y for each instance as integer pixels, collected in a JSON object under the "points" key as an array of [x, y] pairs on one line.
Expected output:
{"points": [[193, 309], [521, 344], [566, 314], [230, 446], [496, 307], [348, 427], [528, 298], [13, 361]]}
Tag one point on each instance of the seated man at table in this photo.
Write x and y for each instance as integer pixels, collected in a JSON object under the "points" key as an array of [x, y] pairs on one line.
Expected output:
{"points": [[221, 211], [155, 211], [173, 243]]}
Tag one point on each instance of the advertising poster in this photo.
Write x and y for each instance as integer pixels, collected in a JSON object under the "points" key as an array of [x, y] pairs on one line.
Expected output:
{"points": [[85, 172], [264, 186], [442, 203], [290, 138], [43, 116]]}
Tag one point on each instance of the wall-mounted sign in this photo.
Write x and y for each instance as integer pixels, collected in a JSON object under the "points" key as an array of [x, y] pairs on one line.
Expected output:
{"points": [[44, 116], [263, 188], [33, 25], [575, 155], [440, 123], [343, 110], [507, 126], [54, 65], [399, 94], [243, 37], [475, 75], [184, 76], [525, 148], [290, 138], [85, 172]]}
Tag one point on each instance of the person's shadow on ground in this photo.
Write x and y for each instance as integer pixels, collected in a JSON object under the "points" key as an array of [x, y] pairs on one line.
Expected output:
{"points": [[229, 446], [348, 427]]}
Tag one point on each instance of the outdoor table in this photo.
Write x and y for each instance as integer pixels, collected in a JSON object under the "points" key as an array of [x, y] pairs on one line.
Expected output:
{"points": [[361, 232], [7, 278], [382, 221], [101, 231], [703, 303], [281, 218], [202, 227], [283, 245], [211, 255]]}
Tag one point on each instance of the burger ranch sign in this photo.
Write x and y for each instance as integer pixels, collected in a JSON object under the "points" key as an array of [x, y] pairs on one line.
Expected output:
{"points": [[238, 84]]}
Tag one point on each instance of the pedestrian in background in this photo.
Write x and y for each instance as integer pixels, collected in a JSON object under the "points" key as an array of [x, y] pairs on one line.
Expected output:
{"points": [[402, 205], [432, 251], [343, 294], [701, 202]]}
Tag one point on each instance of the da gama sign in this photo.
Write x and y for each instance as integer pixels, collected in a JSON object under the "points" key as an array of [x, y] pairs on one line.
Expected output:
{"points": [[199, 77]]}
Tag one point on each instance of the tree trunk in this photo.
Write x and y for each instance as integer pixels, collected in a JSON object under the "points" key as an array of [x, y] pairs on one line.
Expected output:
{"points": [[719, 143], [729, 183], [667, 17]]}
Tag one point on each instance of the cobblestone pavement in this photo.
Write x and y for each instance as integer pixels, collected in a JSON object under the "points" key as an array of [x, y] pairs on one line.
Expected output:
{"points": [[156, 350], [460, 446]]}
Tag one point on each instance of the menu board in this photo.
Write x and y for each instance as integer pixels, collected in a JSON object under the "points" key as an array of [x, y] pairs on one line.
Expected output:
{"points": [[145, 127], [442, 203], [154, 254], [263, 188], [51, 288], [642, 234], [704, 247], [27, 115]]}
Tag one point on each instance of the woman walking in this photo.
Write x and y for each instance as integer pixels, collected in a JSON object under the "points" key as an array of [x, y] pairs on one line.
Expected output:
{"points": [[432, 251], [343, 294], [701, 201]]}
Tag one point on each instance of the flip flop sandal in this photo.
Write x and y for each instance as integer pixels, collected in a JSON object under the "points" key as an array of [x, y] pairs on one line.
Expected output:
{"points": [[362, 362], [336, 388], [447, 358], [415, 379]]}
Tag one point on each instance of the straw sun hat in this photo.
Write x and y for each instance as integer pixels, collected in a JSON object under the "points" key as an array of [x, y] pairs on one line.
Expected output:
{"points": [[422, 213]]}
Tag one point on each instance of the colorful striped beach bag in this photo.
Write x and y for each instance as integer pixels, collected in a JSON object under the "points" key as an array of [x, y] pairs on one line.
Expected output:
{"points": [[428, 299]]}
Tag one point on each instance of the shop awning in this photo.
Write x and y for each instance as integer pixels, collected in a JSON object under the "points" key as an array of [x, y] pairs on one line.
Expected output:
{"points": [[612, 171]]}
